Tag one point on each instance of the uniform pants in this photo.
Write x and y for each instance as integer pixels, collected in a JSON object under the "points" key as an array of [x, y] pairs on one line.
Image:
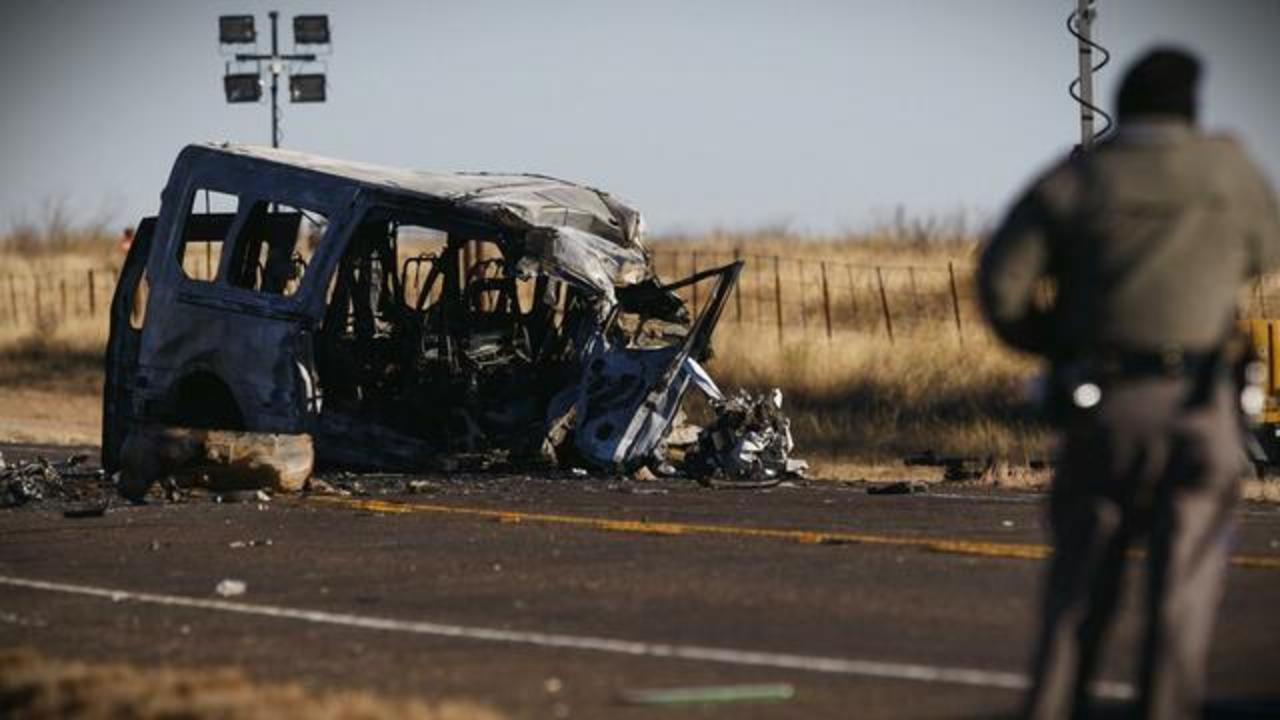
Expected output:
{"points": [[1144, 463]]}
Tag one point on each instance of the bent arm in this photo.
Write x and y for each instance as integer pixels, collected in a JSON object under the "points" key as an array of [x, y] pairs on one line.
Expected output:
{"points": [[1009, 273]]}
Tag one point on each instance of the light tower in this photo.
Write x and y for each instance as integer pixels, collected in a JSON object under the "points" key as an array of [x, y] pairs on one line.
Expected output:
{"points": [[242, 87]]}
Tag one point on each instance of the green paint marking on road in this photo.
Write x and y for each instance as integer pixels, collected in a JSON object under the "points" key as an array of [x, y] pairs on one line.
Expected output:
{"points": [[769, 692]]}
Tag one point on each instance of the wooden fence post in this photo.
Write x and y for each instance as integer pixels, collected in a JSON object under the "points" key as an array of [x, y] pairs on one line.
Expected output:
{"points": [[759, 289], [955, 301], [694, 287], [777, 295], [853, 299], [93, 299], [826, 299], [804, 320], [35, 310], [915, 292], [13, 300], [62, 290], [884, 305], [737, 289]]}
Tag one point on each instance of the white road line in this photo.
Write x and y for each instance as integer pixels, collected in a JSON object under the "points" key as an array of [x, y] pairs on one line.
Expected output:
{"points": [[728, 656]]}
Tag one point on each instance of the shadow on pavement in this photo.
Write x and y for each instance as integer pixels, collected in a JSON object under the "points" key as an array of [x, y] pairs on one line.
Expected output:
{"points": [[1250, 708]]}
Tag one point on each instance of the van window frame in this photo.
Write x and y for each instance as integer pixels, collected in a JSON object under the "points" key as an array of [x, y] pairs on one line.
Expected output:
{"points": [[250, 184]]}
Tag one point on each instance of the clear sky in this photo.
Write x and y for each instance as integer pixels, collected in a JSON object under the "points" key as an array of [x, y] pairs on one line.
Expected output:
{"points": [[821, 115]]}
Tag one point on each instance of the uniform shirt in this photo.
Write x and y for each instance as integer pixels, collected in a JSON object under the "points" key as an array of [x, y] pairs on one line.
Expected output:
{"points": [[1146, 242]]}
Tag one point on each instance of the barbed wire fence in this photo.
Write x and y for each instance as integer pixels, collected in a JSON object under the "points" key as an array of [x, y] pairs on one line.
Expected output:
{"points": [[795, 297], [799, 297], [56, 295]]}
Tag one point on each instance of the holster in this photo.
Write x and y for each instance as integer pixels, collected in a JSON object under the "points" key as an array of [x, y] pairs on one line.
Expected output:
{"points": [[1059, 406]]}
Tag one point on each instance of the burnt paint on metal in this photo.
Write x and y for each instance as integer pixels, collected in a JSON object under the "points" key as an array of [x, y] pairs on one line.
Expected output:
{"points": [[262, 346]]}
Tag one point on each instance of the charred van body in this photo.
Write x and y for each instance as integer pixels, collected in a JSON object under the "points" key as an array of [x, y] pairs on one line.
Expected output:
{"points": [[398, 316]]}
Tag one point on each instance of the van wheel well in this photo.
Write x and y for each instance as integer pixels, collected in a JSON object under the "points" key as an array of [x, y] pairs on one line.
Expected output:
{"points": [[202, 400]]}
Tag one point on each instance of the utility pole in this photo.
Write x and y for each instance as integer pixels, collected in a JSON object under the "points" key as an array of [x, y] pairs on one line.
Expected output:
{"points": [[247, 87], [1080, 25], [1084, 25]]}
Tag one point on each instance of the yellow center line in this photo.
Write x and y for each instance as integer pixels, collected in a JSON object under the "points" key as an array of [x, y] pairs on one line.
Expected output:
{"points": [[952, 546]]}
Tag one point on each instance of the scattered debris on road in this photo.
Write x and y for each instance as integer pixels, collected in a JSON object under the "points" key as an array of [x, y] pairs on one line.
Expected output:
{"points": [[230, 587], [69, 481], [954, 469], [904, 487], [986, 471], [242, 496], [421, 487], [10, 618], [320, 486], [86, 511]]}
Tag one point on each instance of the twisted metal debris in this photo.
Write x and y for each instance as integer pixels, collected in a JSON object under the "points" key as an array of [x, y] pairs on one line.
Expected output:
{"points": [[22, 482]]}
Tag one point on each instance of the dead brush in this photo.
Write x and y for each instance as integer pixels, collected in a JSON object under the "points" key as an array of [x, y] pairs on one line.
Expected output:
{"points": [[57, 232], [39, 688], [57, 360]]}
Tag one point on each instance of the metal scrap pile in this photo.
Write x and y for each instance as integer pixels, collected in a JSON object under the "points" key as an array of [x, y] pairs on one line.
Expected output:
{"points": [[748, 441], [39, 479]]}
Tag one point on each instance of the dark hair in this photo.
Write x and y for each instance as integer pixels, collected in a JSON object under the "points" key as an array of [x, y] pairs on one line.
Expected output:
{"points": [[1161, 82]]}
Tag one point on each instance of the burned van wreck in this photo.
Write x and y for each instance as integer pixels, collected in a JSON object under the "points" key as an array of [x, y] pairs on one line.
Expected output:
{"points": [[397, 317]]}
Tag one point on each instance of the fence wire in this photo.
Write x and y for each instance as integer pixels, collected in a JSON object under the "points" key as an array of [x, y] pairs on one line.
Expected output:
{"points": [[791, 297]]}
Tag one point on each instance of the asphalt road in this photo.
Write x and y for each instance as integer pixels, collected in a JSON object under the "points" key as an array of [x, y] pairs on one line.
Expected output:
{"points": [[548, 597]]}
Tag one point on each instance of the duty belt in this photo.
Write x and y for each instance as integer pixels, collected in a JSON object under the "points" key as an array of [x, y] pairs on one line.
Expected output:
{"points": [[1173, 362]]}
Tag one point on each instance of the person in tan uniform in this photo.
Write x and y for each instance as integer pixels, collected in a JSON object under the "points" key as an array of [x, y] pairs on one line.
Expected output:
{"points": [[1143, 244]]}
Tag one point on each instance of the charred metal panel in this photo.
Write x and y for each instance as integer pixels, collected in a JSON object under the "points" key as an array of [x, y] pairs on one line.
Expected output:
{"points": [[628, 397], [118, 389]]}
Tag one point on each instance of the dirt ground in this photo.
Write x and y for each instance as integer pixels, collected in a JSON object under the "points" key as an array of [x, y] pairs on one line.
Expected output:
{"points": [[54, 417], [51, 392]]}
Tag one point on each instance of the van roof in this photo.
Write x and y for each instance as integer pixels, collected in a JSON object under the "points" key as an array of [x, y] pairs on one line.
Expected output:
{"points": [[518, 200]]}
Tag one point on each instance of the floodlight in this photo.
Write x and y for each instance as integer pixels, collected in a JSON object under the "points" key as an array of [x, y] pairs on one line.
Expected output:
{"points": [[306, 87], [242, 87], [311, 29], [236, 30]]}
